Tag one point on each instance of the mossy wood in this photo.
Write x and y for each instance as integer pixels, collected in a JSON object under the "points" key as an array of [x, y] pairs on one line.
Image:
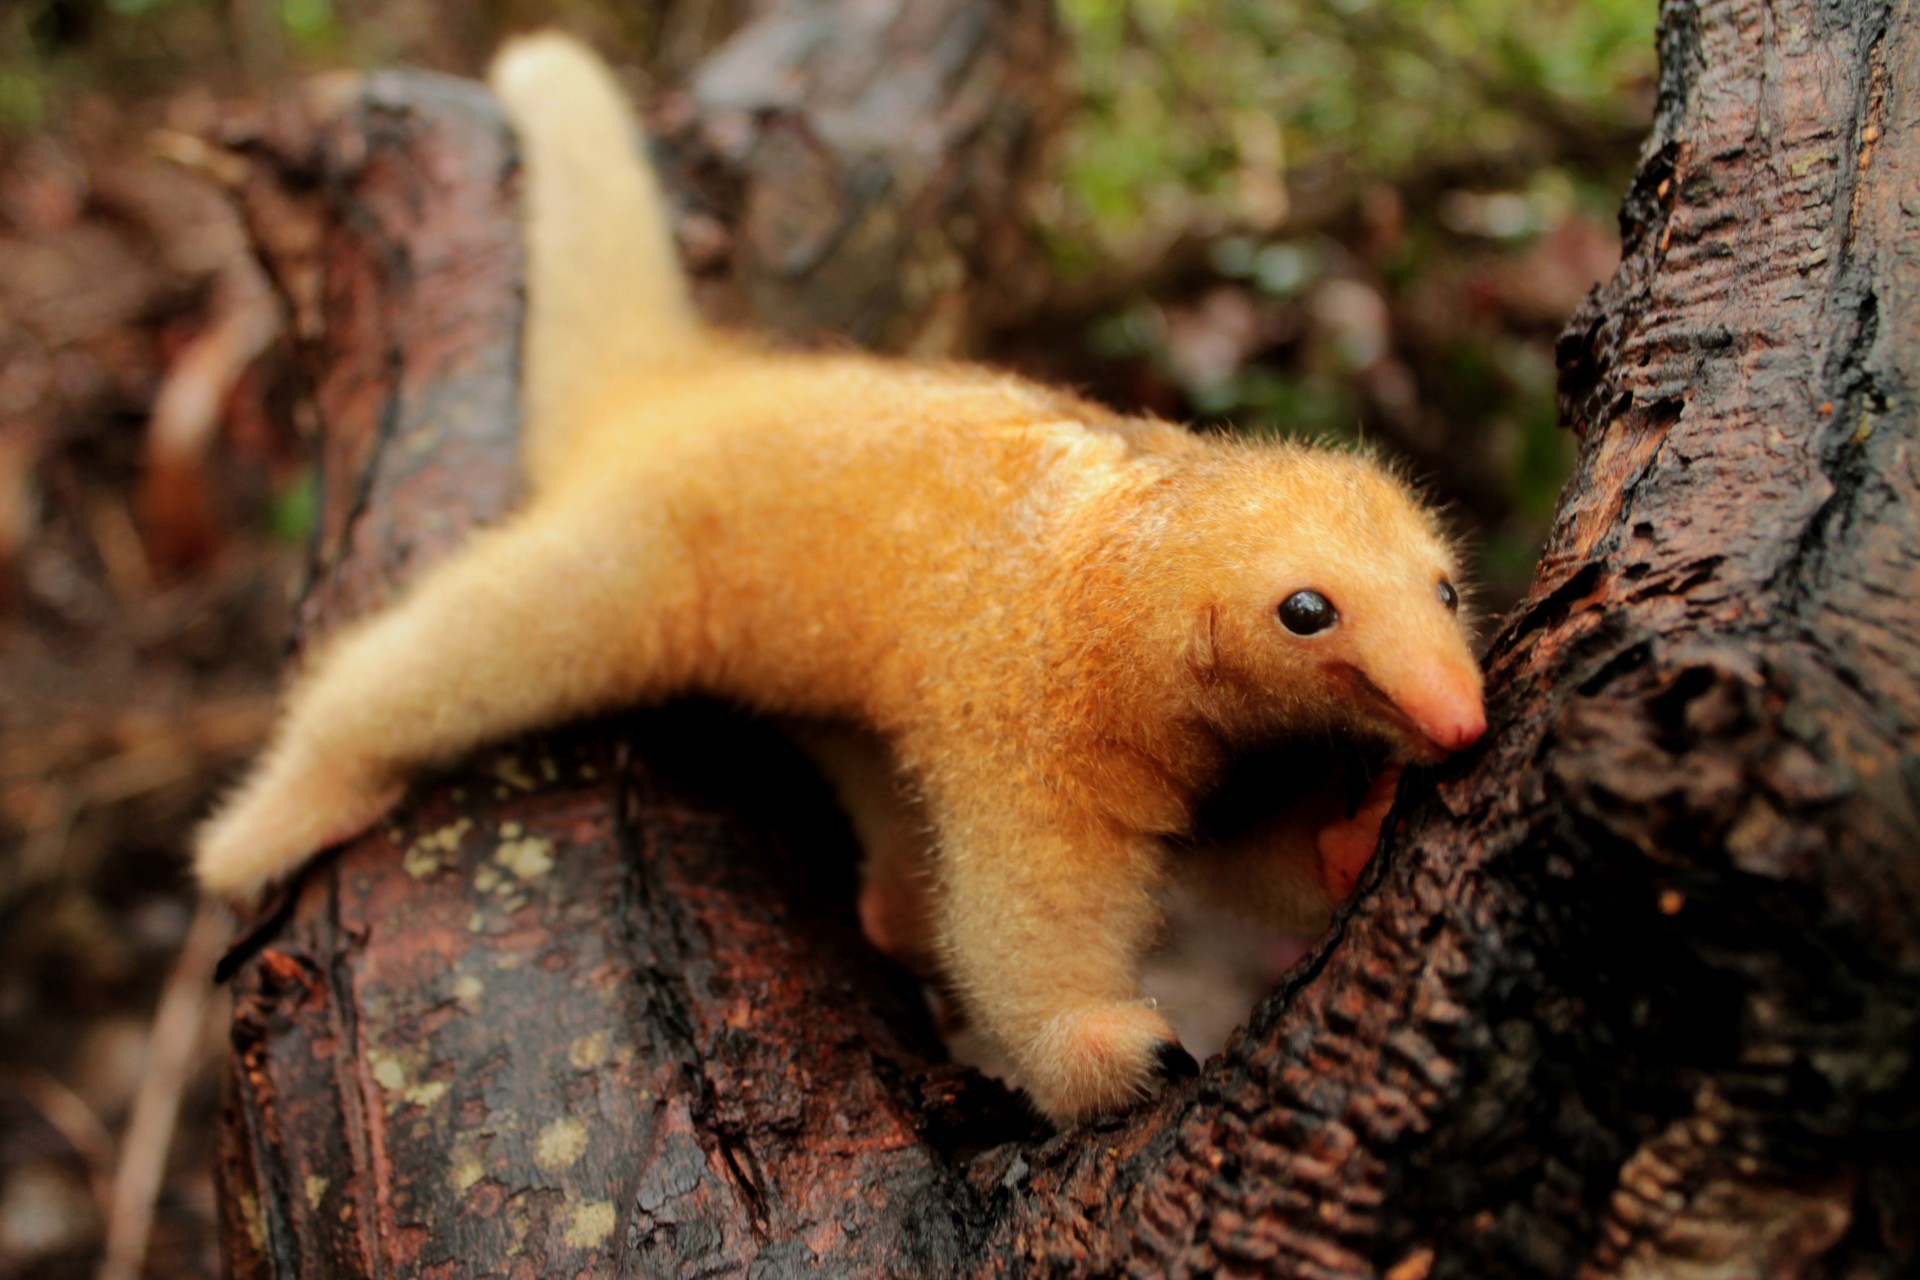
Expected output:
{"points": [[1634, 989]]}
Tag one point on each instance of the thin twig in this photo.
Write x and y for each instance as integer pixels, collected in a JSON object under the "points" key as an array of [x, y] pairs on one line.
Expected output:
{"points": [[170, 1059]]}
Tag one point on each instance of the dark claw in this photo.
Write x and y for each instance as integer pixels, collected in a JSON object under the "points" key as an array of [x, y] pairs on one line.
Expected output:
{"points": [[264, 928], [1171, 1061]]}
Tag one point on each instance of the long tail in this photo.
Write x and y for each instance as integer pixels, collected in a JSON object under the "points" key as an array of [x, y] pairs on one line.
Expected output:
{"points": [[606, 299]]}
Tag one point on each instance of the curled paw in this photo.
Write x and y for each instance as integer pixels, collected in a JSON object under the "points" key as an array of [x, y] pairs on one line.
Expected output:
{"points": [[1100, 1058], [1346, 845], [896, 914], [289, 811]]}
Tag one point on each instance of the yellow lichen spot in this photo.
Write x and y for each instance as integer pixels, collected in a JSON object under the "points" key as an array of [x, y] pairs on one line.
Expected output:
{"points": [[1807, 164], [468, 989], [510, 830], [387, 1072], [391, 1074], [476, 923], [589, 1052], [446, 839], [588, 773], [560, 1143], [590, 1224], [510, 771], [434, 850], [467, 1170], [528, 859], [316, 1191], [251, 1219], [420, 862], [519, 1220], [486, 879], [425, 1095]]}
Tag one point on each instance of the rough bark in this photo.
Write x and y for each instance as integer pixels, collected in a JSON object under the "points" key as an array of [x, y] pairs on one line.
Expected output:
{"points": [[1633, 989]]}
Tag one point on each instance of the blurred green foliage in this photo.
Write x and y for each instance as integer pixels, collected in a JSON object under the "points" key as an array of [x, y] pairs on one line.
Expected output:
{"points": [[1365, 178], [1185, 102], [53, 49], [1435, 155], [295, 509]]}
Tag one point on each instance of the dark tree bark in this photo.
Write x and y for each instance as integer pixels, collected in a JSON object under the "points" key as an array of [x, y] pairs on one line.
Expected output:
{"points": [[1633, 989]]}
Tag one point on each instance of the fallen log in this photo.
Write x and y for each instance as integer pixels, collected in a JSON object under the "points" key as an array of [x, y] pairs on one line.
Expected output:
{"points": [[1633, 988]]}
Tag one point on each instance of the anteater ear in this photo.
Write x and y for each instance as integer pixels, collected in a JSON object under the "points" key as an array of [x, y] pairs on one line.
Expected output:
{"points": [[1201, 655]]}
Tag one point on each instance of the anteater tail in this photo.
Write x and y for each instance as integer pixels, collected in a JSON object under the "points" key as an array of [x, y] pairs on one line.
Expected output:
{"points": [[606, 299]]}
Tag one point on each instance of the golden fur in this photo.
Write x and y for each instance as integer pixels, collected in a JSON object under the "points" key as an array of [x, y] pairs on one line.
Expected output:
{"points": [[1059, 621]]}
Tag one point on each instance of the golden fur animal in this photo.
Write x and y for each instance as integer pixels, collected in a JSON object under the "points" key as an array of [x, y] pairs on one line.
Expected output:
{"points": [[1058, 620]]}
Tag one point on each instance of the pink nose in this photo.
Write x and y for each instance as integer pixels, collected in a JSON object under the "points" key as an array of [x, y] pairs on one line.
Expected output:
{"points": [[1446, 712], [1462, 729]]}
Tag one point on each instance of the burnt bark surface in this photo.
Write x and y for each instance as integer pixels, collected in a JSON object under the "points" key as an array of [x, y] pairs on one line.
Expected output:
{"points": [[1634, 988]]}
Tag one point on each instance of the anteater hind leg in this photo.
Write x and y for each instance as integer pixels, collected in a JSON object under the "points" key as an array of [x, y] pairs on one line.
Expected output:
{"points": [[896, 875], [1292, 869], [547, 617]]}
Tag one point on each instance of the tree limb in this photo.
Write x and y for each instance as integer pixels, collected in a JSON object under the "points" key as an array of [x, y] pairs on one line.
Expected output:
{"points": [[1631, 989]]}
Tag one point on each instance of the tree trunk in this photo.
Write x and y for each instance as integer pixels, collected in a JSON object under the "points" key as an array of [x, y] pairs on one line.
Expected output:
{"points": [[1633, 989]]}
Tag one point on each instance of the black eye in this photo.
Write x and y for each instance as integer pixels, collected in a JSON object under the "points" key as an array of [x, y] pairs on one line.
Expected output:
{"points": [[1448, 596], [1307, 613]]}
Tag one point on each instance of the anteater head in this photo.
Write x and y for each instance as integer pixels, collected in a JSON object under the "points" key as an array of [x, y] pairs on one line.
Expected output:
{"points": [[1323, 599]]}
